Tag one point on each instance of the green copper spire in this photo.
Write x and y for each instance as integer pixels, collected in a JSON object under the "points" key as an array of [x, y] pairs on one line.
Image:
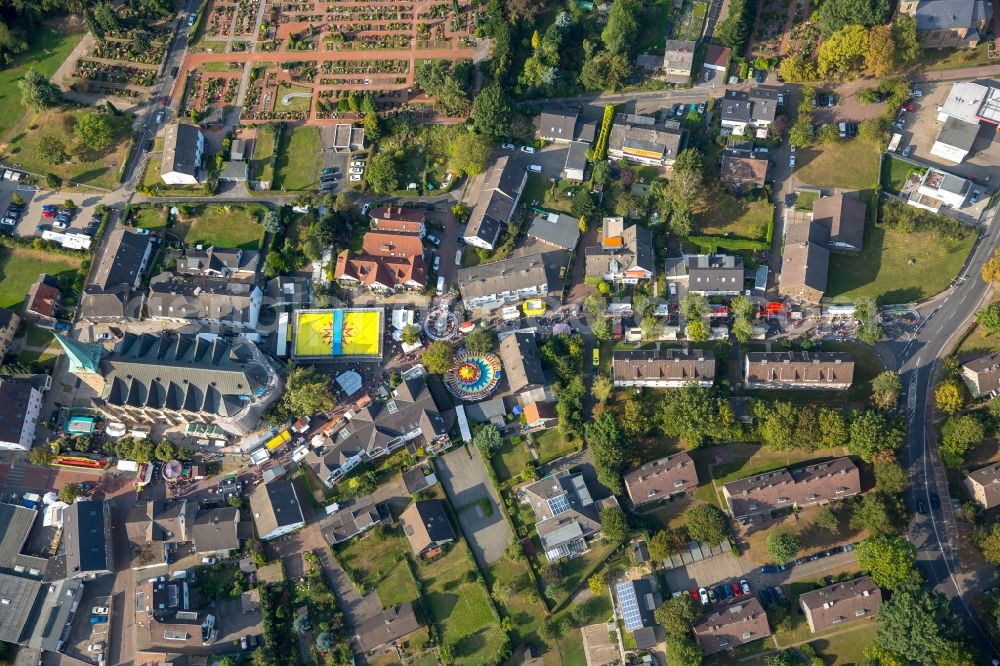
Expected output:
{"points": [[83, 357]]}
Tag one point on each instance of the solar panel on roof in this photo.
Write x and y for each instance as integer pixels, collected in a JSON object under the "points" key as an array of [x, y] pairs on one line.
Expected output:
{"points": [[558, 505], [631, 615]]}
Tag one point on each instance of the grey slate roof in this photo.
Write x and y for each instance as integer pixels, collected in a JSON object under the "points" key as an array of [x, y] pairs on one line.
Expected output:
{"points": [[736, 106], [21, 598], [86, 538], [511, 274], [353, 520], [215, 530], [275, 505], [521, 362], [14, 397], [497, 199], [715, 272], [218, 261], [121, 259], [958, 133], [215, 300], [386, 626], [576, 155], [557, 124], [180, 146], [15, 524], [944, 14], [183, 372], [558, 229]]}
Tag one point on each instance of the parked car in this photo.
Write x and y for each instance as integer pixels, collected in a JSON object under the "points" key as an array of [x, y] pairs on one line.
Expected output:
{"points": [[243, 643], [712, 596], [790, 200], [848, 548], [720, 592], [328, 170], [535, 168], [737, 590], [98, 619], [355, 178], [935, 500], [364, 209], [252, 641], [173, 72], [770, 569], [831, 99], [431, 238], [843, 130], [694, 593], [528, 149], [703, 596], [701, 108], [917, 92], [99, 610], [357, 171], [791, 161], [781, 99], [60, 224], [973, 199], [728, 591], [745, 585], [208, 560], [760, 75], [597, 357], [921, 507], [679, 110], [909, 107], [96, 647], [437, 262], [908, 150], [509, 146], [357, 163], [159, 117], [48, 213]]}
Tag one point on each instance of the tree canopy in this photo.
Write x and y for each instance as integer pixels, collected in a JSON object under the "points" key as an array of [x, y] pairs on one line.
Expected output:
{"points": [[607, 444], [492, 111], [835, 14], [439, 356], [94, 131], [782, 547], [613, 525], [705, 522], [37, 92], [886, 388], [488, 438], [306, 393], [915, 623], [889, 560]]}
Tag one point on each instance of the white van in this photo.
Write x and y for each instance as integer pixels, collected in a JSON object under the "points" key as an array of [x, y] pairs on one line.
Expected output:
{"points": [[440, 286], [535, 168], [458, 258], [843, 130]]}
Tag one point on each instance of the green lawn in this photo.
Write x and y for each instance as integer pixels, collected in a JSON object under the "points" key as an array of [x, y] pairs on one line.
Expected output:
{"points": [[805, 200], [20, 267], [534, 190], [298, 163], [827, 166], [847, 648], [37, 337], [577, 570], [729, 216], [653, 27], [511, 459], [461, 608], [98, 168], [262, 164], [894, 174], [49, 49], [397, 587], [370, 559], [936, 59], [551, 444], [897, 267], [152, 218], [295, 103], [228, 225], [525, 609]]}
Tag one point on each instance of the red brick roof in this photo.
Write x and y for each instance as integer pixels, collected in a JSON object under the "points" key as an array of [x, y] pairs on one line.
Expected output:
{"points": [[45, 300], [732, 626], [389, 272], [392, 244]]}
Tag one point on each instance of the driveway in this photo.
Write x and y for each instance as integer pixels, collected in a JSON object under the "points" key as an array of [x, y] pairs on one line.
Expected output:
{"points": [[356, 608], [464, 479]]}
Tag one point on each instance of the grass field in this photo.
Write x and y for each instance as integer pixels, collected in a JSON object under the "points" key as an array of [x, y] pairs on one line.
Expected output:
{"points": [[97, 168], [20, 267], [897, 267], [729, 216], [847, 648], [524, 607], [805, 200], [228, 225], [977, 341], [653, 27], [295, 103], [461, 608], [894, 174], [551, 444], [511, 459], [827, 168], [397, 587], [297, 166], [262, 163], [937, 59], [534, 190], [370, 559], [150, 218], [49, 49]]}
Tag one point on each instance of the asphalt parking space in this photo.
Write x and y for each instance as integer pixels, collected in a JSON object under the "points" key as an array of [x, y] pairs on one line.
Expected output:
{"points": [[551, 159], [704, 573], [32, 217]]}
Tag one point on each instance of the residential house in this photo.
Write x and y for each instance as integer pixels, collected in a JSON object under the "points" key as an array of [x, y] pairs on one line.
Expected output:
{"points": [[172, 379], [216, 531], [495, 284], [982, 375], [86, 539], [840, 603], [348, 522], [166, 619], [557, 230], [22, 404], [761, 494], [716, 62], [676, 62], [715, 274], [9, 322], [744, 170], [521, 363], [804, 265], [212, 302], [641, 139], [798, 370], [41, 307], [754, 109], [284, 292], [568, 517], [947, 23], [183, 149], [625, 255], [418, 478], [387, 626], [155, 527], [496, 203], [539, 415], [389, 261], [399, 220], [843, 218], [955, 140], [663, 368], [576, 161], [637, 599], [661, 479], [219, 262], [111, 296], [18, 553], [939, 189], [276, 509], [984, 486], [732, 626], [379, 428], [562, 125], [426, 526]]}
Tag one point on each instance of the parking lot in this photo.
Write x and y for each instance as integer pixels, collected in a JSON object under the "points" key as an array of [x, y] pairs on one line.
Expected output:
{"points": [[36, 199], [87, 638]]}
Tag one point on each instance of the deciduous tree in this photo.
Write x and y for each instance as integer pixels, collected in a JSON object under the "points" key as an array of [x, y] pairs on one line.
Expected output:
{"points": [[878, 513], [835, 14], [948, 397], [833, 429], [989, 317], [782, 546], [37, 92], [469, 152], [69, 492], [843, 52], [382, 173], [52, 150], [705, 522], [889, 560], [607, 445], [94, 131], [871, 433], [959, 435], [885, 390], [881, 55], [614, 527], [439, 357], [488, 439], [635, 420], [915, 623], [492, 111], [677, 615], [480, 341], [602, 388], [623, 24], [307, 392], [890, 477]]}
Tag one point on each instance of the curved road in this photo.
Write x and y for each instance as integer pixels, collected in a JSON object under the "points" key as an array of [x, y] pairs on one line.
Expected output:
{"points": [[935, 535]]}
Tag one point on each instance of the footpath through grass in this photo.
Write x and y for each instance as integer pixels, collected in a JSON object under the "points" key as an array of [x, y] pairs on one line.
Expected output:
{"points": [[49, 48]]}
